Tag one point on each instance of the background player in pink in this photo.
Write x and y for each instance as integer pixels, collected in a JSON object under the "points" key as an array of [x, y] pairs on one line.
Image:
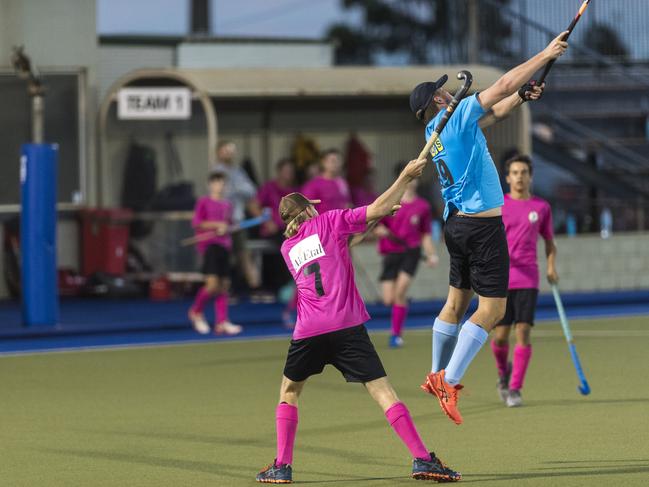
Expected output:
{"points": [[213, 214], [329, 187], [525, 217], [402, 238], [270, 194], [330, 323]]}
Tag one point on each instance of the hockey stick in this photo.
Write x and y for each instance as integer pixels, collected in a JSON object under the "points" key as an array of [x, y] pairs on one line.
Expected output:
{"points": [[459, 95], [242, 225], [571, 27], [584, 388]]}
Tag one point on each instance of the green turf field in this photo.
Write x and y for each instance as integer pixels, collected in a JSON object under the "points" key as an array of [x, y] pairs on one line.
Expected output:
{"points": [[203, 415]]}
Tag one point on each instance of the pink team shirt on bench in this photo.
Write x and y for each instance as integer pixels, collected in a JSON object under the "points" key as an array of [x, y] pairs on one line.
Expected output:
{"points": [[319, 261], [408, 225], [524, 221], [207, 209], [334, 193]]}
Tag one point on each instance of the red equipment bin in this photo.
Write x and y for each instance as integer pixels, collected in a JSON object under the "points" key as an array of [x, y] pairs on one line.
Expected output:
{"points": [[104, 240]]}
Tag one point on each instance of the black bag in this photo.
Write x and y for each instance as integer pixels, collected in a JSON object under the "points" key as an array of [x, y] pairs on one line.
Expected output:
{"points": [[179, 194], [140, 180]]}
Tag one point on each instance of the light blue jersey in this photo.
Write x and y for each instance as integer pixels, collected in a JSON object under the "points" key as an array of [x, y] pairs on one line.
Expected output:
{"points": [[467, 173]]}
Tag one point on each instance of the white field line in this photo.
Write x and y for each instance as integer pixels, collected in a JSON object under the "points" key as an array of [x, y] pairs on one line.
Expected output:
{"points": [[538, 333]]}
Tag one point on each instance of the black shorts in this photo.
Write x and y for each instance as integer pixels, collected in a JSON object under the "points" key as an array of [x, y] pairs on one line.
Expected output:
{"points": [[407, 262], [521, 306], [349, 350], [479, 254], [216, 261]]}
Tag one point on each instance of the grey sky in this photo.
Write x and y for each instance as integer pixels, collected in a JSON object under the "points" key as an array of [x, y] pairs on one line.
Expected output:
{"points": [[285, 18]]}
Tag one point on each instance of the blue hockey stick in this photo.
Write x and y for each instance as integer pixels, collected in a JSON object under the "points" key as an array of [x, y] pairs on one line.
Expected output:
{"points": [[584, 388], [242, 225]]}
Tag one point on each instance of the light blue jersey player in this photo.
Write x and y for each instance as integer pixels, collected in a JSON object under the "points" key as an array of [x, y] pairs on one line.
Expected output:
{"points": [[474, 232], [469, 179]]}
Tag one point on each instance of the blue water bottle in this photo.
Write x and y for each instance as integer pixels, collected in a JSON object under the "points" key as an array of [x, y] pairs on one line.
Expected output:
{"points": [[606, 223]]}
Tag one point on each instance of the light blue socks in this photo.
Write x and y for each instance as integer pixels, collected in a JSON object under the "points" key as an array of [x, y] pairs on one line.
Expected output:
{"points": [[444, 340], [469, 343]]}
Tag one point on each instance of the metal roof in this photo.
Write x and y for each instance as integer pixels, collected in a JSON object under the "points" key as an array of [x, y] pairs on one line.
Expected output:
{"points": [[311, 82]]}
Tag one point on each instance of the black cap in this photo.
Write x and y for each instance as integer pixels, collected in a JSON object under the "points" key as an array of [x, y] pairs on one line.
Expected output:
{"points": [[422, 96]]}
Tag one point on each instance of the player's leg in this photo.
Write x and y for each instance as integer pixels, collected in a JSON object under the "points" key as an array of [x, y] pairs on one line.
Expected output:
{"points": [[446, 328], [387, 292], [473, 336], [305, 358], [400, 307], [521, 359], [286, 419], [388, 278], [489, 276], [354, 355], [426, 465], [221, 310], [526, 308], [500, 350], [479, 248], [204, 295]]}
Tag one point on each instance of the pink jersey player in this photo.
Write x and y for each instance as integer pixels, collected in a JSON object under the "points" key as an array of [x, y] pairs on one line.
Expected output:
{"points": [[402, 238], [330, 323], [526, 218], [329, 187], [212, 220], [271, 193], [212, 210]]}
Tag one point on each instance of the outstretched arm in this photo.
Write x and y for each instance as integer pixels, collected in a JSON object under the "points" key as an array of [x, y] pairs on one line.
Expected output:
{"points": [[388, 202], [511, 81], [501, 110]]}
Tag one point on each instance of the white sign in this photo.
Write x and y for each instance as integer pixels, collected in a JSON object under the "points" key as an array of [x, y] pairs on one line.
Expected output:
{"points": [[305, 251], [154, 104]]}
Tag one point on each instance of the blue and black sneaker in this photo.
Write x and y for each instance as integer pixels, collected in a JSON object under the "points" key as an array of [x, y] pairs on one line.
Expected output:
{"points": [[276, 474], [395, 341], [433, 470]]}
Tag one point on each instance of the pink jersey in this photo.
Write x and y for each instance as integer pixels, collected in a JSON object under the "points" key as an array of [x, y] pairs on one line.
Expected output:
{"points": [[334, 193], [407, 227], [362, 196], [319, 261], [269, 196], [208, 209], [524, 221]]}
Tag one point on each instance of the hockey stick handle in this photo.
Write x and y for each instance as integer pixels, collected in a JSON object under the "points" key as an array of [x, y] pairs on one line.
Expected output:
{"points": [[251, 222], [459, 95], [571, 27]]}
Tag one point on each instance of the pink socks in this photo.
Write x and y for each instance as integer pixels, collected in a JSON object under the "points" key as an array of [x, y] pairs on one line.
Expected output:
{"points": [[200, 301], [286, 421], [399, 314], [399, 418], [522, 356], [221, 308], [501, 352]]}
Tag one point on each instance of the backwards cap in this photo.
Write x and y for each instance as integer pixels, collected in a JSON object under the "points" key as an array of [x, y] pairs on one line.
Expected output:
{"points": [[293, 204]]}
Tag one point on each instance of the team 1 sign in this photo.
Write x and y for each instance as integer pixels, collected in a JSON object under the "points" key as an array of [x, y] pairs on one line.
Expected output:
{"points": [[154, 104]]}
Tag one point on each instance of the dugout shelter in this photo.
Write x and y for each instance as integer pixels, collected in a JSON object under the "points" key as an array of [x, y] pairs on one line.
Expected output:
{"points": [[263, 110]]}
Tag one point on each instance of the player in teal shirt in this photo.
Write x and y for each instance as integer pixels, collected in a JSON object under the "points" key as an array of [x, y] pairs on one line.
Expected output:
{"points": [[474, 232]]}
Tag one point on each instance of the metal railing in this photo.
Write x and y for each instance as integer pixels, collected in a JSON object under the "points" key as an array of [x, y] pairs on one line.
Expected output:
{"points": [[611, 28]]}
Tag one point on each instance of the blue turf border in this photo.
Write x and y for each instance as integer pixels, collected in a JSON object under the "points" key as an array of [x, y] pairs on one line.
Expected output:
{"points": [[105, 331]]}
